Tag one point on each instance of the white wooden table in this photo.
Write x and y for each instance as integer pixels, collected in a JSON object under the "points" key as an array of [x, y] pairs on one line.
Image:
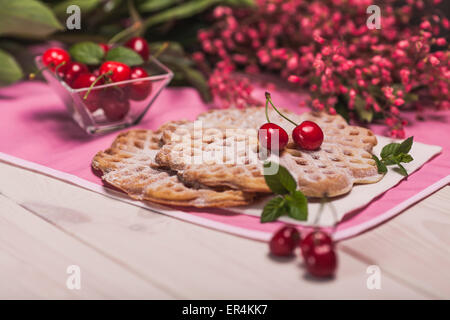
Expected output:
{"points": [[126, 252]]}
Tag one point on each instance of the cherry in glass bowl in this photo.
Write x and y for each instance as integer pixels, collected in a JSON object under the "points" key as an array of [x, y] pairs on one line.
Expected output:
{"points": [[112, 106]]}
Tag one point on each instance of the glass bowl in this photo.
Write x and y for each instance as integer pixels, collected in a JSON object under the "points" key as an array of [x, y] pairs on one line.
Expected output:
{"points": [[111, 106]]}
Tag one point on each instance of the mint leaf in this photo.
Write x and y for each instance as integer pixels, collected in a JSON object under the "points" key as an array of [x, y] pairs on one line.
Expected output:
{"points": [[297, 206], [401, 169], [280, 183], [124, 55], [87, 52], [405, 146], [380, 165], [389, 149], [405, 158], [395, 154], [286, 179], [390, 160], [273, 209]]}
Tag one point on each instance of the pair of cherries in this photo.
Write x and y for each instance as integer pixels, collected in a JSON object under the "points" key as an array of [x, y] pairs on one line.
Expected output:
{"points": [[307, 135], [317, 249], [113, 100]]}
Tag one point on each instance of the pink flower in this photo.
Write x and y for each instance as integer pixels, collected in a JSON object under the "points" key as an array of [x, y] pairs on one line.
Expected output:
{"points": [[293, 79], [441, 41], [398, 102], [434, 61], [425, 25]]}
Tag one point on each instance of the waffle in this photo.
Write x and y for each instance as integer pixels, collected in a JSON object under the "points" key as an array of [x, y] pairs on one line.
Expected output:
{"points": [[129, 165], [343, 160]]}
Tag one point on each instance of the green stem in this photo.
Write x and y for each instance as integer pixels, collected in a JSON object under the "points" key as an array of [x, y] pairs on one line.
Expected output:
{"points": [[125, 33], [57, 68], [163, 48], [268, 98], [95, 82], [34, 74], [267, 114]]}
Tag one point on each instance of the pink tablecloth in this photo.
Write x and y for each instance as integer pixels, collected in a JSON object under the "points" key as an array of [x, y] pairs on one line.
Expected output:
{"points": [[36, 128]]}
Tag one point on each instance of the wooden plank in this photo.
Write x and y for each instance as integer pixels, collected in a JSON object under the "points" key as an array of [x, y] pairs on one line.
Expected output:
{"points": [[35, 255], [414, 247], [188, 260]]}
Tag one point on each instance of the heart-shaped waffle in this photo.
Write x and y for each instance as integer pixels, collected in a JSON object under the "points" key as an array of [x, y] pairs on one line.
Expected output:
{"points": [[344, 158], [129, 165]]}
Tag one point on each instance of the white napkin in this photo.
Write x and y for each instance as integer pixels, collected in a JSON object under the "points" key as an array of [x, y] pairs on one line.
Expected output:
{"points": [[360, 195]]}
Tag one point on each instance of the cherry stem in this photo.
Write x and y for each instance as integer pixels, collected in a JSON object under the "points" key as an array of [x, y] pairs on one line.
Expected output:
{"points": [[57, 68], [268, 98], [325, 200], [95, 82], [34, 74], [267, 114]]}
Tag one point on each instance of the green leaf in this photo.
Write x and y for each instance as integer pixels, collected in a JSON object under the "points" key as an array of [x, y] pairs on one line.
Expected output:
{"points": [[198, 81], [182, 11], [411, 97], [87, 52], [174, 48], [380, 165], [405, 146], [389, 149], [273, 210], [124, 55], [401, 169], [10, 69], [390, 160], [27, 19], [86, 6], [240, 3], [297, 206], [155, 5], [363, 113], [280, 183], [405, 158], [286, 179], [342, 109]]}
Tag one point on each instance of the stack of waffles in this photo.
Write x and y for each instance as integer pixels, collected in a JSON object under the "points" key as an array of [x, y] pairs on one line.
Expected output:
{"points": [[216, 160]]}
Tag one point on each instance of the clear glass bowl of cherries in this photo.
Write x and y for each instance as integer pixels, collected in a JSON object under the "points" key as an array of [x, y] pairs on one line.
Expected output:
{"points": [[104, 87]]}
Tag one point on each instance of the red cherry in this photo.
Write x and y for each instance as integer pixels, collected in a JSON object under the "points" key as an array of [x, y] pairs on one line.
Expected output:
{"points": [[96, 72], [140, 46], [115, 105], [321, 261], [269, 130], [115, 71], [284, 241], [54, 57], [85, 80], [105, 47], [315, 238], [308, 135], [139, 90], [73, 69]]}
